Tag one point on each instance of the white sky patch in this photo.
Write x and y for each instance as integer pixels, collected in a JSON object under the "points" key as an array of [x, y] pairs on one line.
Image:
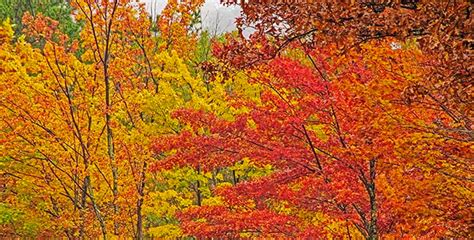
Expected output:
{"points": [[216, 18]]}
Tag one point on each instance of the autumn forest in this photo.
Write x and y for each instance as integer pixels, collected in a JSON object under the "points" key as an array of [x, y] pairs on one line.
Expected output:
{"points": [[311, 120]]}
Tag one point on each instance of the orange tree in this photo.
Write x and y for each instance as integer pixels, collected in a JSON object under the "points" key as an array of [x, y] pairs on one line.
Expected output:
{"points": [[76, 119]]}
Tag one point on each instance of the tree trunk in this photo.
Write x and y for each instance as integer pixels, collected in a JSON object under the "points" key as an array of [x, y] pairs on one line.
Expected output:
{"points": [[141, 192], [369, 228], [110, 143], [139, 219], [372, 233], [198, 190], [95, 207]]}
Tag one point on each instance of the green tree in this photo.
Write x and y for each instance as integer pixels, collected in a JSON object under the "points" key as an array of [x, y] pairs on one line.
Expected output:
{"points": [[55, 9]]}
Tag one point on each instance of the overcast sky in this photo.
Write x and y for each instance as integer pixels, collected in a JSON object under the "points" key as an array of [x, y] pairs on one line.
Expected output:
{"points": [[216, 17]]}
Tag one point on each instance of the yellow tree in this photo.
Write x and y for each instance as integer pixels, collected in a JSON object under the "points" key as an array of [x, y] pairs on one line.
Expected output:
{"points": [[77, 118]]}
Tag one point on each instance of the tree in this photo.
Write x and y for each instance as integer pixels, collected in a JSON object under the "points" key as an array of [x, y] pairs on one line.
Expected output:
{"points": [[77, 117], [58, 10], [331, 127], [438, 96], [335, 120], [441, 29]]}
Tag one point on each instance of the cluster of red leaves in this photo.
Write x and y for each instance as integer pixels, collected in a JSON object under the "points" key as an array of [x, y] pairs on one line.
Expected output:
{"points": [[330, 127], [334, 126], [326, 169], [442, 29], [206, 221]]}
